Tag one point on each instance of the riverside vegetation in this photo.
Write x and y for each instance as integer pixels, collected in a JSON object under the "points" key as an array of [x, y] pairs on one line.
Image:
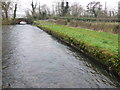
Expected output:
{"points": [[103, 46], [111, 27]]}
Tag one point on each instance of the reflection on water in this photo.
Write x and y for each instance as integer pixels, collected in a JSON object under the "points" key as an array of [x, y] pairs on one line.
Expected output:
{"points": [[34, 59]]}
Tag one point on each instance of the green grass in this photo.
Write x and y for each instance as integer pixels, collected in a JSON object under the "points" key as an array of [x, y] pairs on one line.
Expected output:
{"points": [[105, 44], [102, 40]]}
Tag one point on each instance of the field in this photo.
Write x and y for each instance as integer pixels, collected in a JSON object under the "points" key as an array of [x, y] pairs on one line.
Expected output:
{"points": [[111, 27], [101, 45], [98, 26]]}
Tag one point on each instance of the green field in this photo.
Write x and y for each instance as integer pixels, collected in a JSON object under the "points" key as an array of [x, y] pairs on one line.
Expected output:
{"points": [[101, 45]]}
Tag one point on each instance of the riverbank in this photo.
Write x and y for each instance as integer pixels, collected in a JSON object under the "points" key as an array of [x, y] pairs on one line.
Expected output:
{"points": [[8, 22], [16, 21], [102, 46]]}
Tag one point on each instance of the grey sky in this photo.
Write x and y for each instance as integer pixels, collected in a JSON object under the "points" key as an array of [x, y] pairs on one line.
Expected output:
{"points": [[111, 4]]}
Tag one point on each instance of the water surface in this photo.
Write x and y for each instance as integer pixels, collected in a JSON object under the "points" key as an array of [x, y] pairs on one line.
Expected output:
{"points": [[34, 59]]}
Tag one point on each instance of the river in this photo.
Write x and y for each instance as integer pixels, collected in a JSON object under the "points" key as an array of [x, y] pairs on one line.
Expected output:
{"points": [[34, 59]]}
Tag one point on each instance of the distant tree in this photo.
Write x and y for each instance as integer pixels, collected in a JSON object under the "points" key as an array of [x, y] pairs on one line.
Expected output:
{"points": [[105, 11], [15, 10], [6, 7], [113, 13], [110, 13], [64, 8], [76, 10], [39, 11], [58, 9], [94, 8], [119, 9], [42, 12], [28, 15], [34, 6]]}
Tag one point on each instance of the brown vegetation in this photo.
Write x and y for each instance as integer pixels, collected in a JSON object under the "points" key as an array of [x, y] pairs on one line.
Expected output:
{"points": [[97, 26]]}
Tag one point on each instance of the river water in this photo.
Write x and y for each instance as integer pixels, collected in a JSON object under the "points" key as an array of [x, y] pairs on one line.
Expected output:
{"points": [[34, 59]]}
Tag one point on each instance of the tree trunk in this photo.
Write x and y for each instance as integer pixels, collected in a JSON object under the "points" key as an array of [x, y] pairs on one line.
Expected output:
{"points": [[94, 12], [6, 14], [15, 12]]}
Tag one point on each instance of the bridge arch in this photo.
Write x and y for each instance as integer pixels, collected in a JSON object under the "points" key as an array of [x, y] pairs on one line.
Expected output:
{"points": [[18, 20]]}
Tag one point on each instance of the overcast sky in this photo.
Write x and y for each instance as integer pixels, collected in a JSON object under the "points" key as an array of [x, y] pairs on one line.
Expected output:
{"points": [[24, 4]]}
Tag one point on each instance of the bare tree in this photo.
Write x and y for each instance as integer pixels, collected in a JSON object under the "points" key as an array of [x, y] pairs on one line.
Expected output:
{"points": [[39, 11], [15, 10], [94, 8], [6, 7], [27, 13], [45, 12], [34, 6], [119, 10], [105, 11], [58, 8], [76, 10]]}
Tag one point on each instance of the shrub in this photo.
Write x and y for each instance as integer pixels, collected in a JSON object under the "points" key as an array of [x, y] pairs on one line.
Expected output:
{"points": [[62, 22]]}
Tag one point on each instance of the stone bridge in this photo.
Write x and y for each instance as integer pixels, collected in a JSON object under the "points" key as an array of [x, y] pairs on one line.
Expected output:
{"points": [[18, 20]]}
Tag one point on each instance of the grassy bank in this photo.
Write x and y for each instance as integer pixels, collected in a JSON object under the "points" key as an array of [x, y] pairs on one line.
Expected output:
{"points": [[6, 22], [101, 45]]}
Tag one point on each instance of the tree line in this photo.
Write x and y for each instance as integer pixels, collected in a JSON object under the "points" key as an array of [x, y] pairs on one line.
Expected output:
{"points": [[59, 9]]}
